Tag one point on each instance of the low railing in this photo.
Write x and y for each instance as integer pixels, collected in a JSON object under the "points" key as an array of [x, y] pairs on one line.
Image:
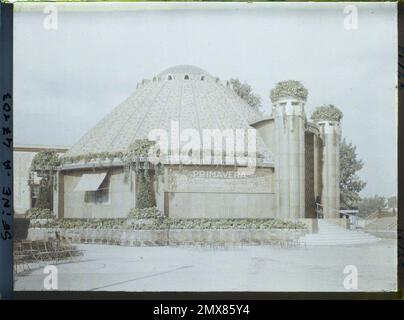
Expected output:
{"points": [[352, 216], [319, 211]]}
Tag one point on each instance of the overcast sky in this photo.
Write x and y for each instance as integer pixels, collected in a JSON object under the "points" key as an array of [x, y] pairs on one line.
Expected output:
{"points": [[66, 80]]}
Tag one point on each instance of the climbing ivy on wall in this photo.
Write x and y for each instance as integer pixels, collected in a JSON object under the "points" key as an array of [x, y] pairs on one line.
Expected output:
{"points": [[45, 164], [93, 156], [139, 148], [145, 194]]}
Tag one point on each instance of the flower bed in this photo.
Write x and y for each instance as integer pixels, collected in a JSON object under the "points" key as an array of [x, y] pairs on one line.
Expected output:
{"points": [[168, 223], [153, 219], [174, 236], [146, 213], [81, 223], [148, 226], [38, 213]]}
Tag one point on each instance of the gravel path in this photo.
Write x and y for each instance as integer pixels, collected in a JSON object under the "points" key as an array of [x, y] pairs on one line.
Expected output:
{"points": [[250, 268]]}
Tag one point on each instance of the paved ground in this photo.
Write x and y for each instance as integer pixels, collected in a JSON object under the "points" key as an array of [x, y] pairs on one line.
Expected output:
{"points": [[252, 268]]}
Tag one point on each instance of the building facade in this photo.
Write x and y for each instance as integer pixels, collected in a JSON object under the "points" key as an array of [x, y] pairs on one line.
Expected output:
{"points": [[25, 193], [293, 163]]}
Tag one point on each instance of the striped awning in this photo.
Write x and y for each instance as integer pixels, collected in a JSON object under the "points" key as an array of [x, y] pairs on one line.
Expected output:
{"points": [[90, 181]]}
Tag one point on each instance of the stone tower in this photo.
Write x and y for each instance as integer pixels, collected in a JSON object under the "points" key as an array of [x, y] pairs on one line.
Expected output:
{"points": [[289, 118], [330, 132]]}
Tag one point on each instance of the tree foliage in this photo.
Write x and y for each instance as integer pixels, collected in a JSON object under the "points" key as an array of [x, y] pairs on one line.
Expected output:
{"points": [[244, 91], [392, 202], [371, 205], [350, 182], [327, 113], [289, 88]]}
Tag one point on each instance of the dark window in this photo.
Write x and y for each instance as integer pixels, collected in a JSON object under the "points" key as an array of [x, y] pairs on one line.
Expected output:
{"points": [[202, 78], [186, 77], [99, 196], [35, 190], [170, 78]]}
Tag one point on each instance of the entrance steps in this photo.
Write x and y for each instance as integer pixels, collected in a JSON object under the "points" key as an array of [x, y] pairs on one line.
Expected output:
{"points": [[330, 234]]}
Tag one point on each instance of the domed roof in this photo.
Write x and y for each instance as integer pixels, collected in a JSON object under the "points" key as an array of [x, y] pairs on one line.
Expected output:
{"points": [[184, 69], [186, 94]]}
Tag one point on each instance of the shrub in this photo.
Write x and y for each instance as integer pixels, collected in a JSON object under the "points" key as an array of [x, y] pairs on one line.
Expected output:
{"points": [[145, 213], [289, 88], [39, 213], [159, 222], [83, 224], [232, 224], [327, 113]]}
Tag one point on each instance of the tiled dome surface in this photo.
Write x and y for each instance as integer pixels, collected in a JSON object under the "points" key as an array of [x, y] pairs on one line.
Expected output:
{"points": [[186, 94]]}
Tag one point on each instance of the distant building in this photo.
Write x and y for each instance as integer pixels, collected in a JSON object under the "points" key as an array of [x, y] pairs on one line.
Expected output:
{"points": [[24, 195], [299, 162]]}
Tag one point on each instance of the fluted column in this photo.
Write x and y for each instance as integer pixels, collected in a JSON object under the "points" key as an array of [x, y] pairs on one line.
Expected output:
{"points": [[290, 160], [330, 198]]}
